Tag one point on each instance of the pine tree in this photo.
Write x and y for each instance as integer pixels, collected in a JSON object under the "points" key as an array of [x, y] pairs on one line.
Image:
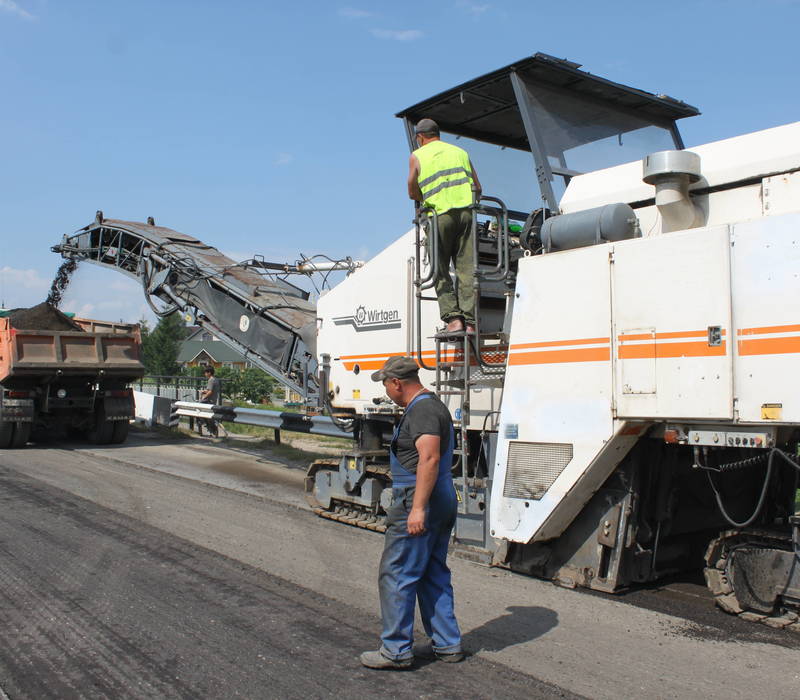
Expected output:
{"points": [[161, 345]]}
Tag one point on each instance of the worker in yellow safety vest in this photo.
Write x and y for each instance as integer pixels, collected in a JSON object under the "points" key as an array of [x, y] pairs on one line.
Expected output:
{"points": [[441, 177]]}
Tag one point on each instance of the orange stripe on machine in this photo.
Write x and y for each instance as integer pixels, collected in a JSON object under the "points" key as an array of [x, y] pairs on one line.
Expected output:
{"points": [[558, 356], [770, 346], [785, 344], [667, 350]]}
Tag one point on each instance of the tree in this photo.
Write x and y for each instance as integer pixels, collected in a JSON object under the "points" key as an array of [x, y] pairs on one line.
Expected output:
{"points": [[251, 384], [254, 385], [161, 345], [144, 328]]}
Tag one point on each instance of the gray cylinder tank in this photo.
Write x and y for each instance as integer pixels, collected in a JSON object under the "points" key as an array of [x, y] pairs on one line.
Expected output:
{"points": [[612, 222]]}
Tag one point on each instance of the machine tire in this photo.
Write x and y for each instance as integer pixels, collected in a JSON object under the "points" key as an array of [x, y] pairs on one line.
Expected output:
{"points": [[102, 431], [6, 434], [22, 433], [120, 432]]}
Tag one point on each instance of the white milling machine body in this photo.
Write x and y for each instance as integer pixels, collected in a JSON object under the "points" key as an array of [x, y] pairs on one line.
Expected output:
{"points": [[632, 402]]}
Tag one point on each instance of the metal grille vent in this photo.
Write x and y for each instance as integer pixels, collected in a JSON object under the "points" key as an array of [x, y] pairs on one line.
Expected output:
{"points": [[533, 467]]}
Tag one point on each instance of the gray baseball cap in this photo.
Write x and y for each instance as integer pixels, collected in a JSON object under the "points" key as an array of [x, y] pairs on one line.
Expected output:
{"points": [[426, 126], [397, 367]]}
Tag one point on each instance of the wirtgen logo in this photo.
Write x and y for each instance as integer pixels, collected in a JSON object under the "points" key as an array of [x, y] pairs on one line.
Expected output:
{"points": [[370, 319]]}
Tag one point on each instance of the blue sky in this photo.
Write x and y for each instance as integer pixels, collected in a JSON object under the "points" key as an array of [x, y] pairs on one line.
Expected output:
{"points": [[268, 127]]}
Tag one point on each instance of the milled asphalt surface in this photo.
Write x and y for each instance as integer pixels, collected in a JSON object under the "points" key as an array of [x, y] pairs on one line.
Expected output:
{"points": [[249, 509], [96, 604]]}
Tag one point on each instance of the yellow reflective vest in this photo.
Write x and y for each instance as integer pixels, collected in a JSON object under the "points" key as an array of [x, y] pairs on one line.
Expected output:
{"points": [[445, 176]]}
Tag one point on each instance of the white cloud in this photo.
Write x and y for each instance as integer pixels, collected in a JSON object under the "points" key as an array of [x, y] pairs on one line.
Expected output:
{"points": [[363, 253], [81, 310], [283, 159], [14, 9], [354, 13], [11, 279], [397, 34], [472, 8]]}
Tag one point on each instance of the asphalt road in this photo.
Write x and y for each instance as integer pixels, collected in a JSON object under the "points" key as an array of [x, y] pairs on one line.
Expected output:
{"points": [[189, 570], [97, 604]]}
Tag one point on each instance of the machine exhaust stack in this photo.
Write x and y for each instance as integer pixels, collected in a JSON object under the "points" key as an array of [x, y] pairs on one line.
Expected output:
{"points": [[671, 172]]}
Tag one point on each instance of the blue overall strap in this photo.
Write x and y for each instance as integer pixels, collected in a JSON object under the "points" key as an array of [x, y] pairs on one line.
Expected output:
{"points": [[403, 478]]}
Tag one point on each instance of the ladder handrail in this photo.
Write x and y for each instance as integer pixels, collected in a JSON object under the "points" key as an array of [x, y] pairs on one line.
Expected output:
{"points": [[430, 279], [501, 270]]}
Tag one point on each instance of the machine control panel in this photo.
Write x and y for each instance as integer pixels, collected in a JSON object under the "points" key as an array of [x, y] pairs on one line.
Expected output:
{"points": [[739, 438]]}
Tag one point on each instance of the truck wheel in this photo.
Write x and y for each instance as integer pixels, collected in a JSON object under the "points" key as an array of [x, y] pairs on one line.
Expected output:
{"points": [[6, 434], [120, 432], [103, 430], [22, 433]]}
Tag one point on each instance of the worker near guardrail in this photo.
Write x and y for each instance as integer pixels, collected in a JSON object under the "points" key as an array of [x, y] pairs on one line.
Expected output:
{"points": [[418, 526], [442, 178], [211, 394]]}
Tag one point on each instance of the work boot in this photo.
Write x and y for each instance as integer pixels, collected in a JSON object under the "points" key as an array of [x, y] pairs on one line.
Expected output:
{"points": [[455, 326], [375, 659], [470, 329], [426, 651]]}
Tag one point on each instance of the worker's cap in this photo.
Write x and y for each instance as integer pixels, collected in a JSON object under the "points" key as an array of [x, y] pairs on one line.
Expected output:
{"points": [[426, 126], [396, 367]]}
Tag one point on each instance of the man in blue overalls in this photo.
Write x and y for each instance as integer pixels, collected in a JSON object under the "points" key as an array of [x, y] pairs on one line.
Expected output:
{"points": [[418, 526]]}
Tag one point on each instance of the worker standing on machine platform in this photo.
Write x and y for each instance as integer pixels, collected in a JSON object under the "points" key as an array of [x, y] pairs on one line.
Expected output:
{"points": [[418, 526], [442, 177]]}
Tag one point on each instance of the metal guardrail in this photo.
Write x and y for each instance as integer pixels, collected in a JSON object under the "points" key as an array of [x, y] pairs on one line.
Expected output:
{"points": [[277, 420]]}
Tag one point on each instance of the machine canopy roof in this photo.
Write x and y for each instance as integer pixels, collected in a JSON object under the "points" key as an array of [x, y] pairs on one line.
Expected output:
{"points": [[571, 107]]}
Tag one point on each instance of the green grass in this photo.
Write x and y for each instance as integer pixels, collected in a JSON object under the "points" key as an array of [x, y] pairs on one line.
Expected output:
{"points": [[287, 436]]}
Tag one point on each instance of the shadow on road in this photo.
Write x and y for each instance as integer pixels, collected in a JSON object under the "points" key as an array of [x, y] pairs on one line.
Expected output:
{"points": [[519, 624]]}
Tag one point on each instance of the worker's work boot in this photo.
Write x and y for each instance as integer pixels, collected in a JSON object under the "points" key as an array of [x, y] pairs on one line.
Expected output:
{"points": [[426, 651], [375, 659], [455, 326], [470, 329]]}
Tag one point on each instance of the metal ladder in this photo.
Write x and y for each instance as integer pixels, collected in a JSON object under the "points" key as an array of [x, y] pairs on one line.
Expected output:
{"points": [[456, 354]]}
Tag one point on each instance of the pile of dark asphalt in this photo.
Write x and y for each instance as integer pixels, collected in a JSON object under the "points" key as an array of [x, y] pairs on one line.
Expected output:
{"points": [[96, 604], [42, 317]]}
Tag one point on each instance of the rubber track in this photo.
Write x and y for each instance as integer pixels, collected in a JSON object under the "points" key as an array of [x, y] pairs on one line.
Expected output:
{"points": [[363, 519], [717, 578]]}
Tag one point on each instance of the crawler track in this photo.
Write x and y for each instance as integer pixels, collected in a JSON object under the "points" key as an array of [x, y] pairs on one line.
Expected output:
{"points": [[348, 513], [718, 579]]}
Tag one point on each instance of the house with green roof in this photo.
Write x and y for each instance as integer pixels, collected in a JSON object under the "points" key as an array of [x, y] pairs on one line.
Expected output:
{"points": [[202, 348]]}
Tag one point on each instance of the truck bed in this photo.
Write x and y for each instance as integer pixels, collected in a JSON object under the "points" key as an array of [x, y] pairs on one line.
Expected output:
{"points": [[112, 349]]}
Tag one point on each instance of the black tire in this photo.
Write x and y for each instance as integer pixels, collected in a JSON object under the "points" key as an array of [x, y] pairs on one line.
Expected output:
{"points": [[6, 434], [120, 432], [102, 431], [22, 433]]}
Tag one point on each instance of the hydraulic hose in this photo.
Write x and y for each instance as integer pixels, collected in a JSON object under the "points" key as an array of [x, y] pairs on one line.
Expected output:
{"points": [[741, 464]]}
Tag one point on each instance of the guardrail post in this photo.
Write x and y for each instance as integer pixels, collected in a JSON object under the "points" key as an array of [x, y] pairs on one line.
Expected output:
{"points": [[277, 436]]}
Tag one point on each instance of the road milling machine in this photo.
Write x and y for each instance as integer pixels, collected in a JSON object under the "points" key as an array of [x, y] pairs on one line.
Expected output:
{"points": [[629, 404]]}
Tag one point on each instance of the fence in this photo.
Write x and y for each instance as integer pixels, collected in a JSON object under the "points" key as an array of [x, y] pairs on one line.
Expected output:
{"points": [[177, 388]]}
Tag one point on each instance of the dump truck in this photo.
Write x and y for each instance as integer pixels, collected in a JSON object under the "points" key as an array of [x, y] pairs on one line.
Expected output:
{"points": [[627, 407], [61, 374]]}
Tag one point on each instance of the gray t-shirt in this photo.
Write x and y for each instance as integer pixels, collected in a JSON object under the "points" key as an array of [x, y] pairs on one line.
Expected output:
{"points": [[213, 385], [426, 417]]}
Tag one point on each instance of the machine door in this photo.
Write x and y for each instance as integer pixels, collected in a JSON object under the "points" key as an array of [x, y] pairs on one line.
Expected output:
{"points": [[672, 326]]}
